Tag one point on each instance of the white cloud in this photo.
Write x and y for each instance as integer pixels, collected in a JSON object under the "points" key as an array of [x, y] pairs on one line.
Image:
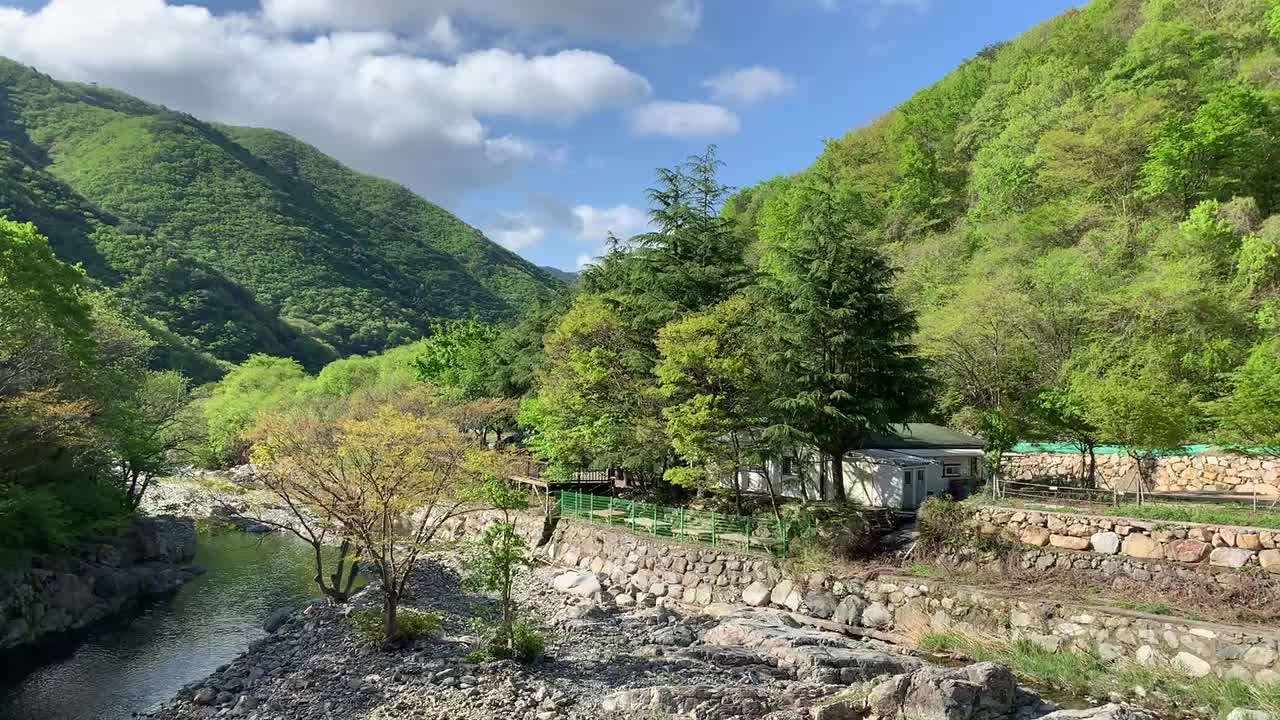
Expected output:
{"points": [[632, 20], [683, 119], [595, 224], [584, 224], [749, 84], [364, 97], [516, 231]]}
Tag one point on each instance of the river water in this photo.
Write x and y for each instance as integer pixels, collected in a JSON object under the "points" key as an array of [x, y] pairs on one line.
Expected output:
{"points": [[130, 664]]}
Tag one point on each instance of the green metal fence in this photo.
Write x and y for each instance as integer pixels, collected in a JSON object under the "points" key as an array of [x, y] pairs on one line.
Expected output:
{"points": [[719, 529]]}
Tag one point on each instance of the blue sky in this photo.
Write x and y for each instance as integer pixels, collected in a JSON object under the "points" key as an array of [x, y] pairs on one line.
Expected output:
{"points": [[539, 122]]}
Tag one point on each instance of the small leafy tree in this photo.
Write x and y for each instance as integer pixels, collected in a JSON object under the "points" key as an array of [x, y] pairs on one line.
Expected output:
{"points": [[499, 554], [385, 473], [711, 370], [1247, 418], [1137, 404]]}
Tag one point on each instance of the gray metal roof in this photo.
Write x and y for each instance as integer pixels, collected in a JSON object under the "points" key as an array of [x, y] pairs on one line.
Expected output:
{"points": [[923, 436]]}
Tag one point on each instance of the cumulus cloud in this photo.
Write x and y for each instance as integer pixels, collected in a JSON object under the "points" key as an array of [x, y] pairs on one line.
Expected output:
{"points": [[364, 96], [583, 224], [516, 231], [683, 119], [659, 21], [749, 84]]}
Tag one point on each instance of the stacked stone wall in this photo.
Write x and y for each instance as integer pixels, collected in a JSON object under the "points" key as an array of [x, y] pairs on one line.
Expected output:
{"points": [[647, 570], [1206, 472], [1218, 547]]}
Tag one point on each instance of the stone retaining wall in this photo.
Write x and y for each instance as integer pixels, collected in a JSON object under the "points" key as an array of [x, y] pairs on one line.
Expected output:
{"points": [[647, 570], [1208, 472], [1219, 547], [96, 581]]}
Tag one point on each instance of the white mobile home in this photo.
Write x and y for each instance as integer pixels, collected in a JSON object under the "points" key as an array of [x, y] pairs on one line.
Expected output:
{"points": [[899, 470]]}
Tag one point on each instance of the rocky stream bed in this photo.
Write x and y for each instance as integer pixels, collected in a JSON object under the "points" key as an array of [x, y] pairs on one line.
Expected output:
{"points": [[602, 661]]}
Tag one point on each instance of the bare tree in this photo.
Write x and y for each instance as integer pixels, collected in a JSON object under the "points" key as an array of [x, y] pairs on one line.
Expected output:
{"points": [[380, 476]]}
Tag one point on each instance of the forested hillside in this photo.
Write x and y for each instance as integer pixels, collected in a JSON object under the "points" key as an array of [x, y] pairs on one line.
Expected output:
{"points": [[231, 241], [1085, 218]]}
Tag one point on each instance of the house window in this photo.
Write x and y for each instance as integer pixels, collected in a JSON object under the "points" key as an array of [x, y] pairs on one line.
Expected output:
{"points": [[789, 465], [951, 471], [907, 477]]}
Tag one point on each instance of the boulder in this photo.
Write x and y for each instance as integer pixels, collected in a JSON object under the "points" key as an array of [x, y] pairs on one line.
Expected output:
{"points": [[755, 594], [1188, 551], [1141, 546], [205, 696], [1192, 665], [821, 603], [877, 615], [1249, 541], [849, 611], [780, 592], [1037, 536], [1229, 557], [983, 691], [1270, 560], [1246, 714], [1112, 711], [1069, 542], [582, 584], [677, 635], [1107, 543]]}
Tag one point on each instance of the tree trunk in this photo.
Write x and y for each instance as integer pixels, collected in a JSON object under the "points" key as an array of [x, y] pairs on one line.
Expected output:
{"points": [[837, 476], [391, 624], [1093, 467], [737, 488]]}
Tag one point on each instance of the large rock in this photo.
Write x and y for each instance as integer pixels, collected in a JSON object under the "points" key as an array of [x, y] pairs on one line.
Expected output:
{"points": [[877, 615], [821, 604], [1112, 711], [1035, 535], [1270, 561], [1188, 551], [1069, 542], [1192, 665], [1107, 543], [1141, 546], [804, 652], [276, 619], [582, 584], [755, 594], [1229, 557], [984, 691], [785, 593], [849, 611]]}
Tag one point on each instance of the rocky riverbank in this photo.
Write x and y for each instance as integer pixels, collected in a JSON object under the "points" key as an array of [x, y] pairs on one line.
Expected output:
{"points": [[603, 661], [56, 595]]}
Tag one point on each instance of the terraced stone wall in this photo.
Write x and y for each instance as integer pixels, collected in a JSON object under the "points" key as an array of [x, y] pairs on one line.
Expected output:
{"points": [[1208, 472]]}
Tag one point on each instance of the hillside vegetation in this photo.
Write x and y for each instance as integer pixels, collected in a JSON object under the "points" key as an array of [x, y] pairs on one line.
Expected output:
{"points": [[233, 241], [1085, 220]]}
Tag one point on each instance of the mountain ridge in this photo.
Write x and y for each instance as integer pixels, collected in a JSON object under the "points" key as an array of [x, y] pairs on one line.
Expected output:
{"points": [[289, 251]]}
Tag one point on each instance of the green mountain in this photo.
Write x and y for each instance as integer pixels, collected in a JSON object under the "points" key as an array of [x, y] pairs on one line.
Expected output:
{"points": [[236, 240], [1095, 198]]}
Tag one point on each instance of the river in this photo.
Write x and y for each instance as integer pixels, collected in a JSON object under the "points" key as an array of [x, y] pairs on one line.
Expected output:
{"points": [[132, 663]]}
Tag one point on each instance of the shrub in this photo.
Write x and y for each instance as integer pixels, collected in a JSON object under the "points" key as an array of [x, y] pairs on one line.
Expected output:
{"points": [[945, 524], [413, 625], [526, 643], [837, 530]]}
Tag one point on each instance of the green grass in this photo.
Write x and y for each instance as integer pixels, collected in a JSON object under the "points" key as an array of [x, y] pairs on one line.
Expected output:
{"points": [[1189, 513], [1085, 674]]}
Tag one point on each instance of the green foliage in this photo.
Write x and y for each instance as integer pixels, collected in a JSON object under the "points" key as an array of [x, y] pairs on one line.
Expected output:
{"points": [[412, 625], [461, 358], [945, 524], [840, 341], [711, 373], [1248, 415], [237, 240], [260, 383]]}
